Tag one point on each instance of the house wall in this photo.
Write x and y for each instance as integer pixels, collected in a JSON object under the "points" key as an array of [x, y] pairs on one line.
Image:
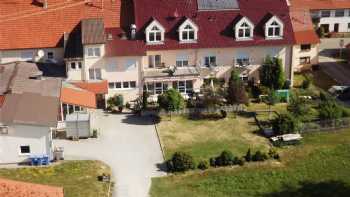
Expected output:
{"points": [[7, 56], [76, 74], [342, 21], [39, 138], [123, 69], [93, 62], [298, 53], [225, 57]]}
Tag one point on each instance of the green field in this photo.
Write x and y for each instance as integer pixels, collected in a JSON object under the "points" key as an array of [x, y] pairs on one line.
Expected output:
{"points": [[207, 138], [319, 167], [78, 178]]}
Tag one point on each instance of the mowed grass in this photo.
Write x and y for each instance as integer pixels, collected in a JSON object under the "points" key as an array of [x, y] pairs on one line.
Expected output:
{"points": [[78, 178], [207, 138], [320, 166]]}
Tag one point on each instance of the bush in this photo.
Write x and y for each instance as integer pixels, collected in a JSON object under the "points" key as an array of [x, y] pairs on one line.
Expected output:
{"points": [[180, 162], [259, 156], [127, 105], [284, 124], [248, 156], [236, 93], [306, 83], [329, 108], [223, 113], [202, 165], [273, 154], [115, 101], [239, 161], [212, 162], [171, 100], [226, 158]]}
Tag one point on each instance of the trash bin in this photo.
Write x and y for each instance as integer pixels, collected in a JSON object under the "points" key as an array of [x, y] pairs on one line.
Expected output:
{"points": [[58, 153]]}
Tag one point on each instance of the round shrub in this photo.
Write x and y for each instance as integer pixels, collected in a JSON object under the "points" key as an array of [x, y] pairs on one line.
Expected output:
{"points": [[273, 154], [248, 156], [226, 158], [212, 162], [223, 113], [180, 162], [239, 161], [259, 156], [203, 165]]}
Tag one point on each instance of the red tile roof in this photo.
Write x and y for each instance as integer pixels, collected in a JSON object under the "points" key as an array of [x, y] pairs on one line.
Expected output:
{"points": [[77, 96], [9, 188], [26, 25], [321, 4], [100, 87], [2, 99], [215, 27], [304, 32], [306, 37]]}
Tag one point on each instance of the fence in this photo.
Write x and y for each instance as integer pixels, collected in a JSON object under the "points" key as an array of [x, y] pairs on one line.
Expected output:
{"points": [[325, 125], [229, 108]]}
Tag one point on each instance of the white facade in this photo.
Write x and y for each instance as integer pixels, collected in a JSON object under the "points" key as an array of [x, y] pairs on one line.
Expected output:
{"points": [[38, 138], [54, 55], [304, 55], [335, 20]]}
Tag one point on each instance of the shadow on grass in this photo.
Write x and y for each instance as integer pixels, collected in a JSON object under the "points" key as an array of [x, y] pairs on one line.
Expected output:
{"points": [[310, 189]]}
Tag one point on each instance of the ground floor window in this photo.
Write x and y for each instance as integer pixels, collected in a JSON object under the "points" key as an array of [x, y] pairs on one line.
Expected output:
{"points": [[305, 60], [68, 109], [156, 87], [24, 149], [183, 86], [122, 85]]}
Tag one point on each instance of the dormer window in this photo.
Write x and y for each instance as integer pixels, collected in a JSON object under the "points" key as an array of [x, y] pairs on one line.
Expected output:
{"points": [[188, 31], [244, 29], [155, 33], [274, 28]]}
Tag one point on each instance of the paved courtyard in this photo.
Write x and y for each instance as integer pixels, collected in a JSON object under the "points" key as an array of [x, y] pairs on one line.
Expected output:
{"points": [[129, 145]]}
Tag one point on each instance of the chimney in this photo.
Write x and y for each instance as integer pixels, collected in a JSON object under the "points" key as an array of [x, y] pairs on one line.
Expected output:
{"points": [[133, 31], [45, 4]]}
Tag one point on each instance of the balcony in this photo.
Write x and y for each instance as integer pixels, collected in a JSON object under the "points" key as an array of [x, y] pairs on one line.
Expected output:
{"points": [[171, 73]]}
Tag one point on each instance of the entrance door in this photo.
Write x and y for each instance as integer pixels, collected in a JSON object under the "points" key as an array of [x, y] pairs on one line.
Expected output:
{"points": [[325, 27], [336, 27], [100, 100]]}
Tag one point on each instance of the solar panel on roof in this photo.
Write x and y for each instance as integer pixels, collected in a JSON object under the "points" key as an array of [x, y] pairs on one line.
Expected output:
{"points": [[217, 4]]}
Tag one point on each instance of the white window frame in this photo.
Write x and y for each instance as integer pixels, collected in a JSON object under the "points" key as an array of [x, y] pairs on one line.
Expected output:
{"points": [[20, 150], [210, 59], [93, 52], [122, 85], [184, 30], [182, 61], [154, 88], [325, 11], [95, 76], [269, 24], [249, 26], [4, 130], [338, 10], [78, 65], [149, 31], [183, 88], [152, 61]]}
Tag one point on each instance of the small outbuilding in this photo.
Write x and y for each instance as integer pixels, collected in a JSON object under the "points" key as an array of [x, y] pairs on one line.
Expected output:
{"points": [[78, 125]]}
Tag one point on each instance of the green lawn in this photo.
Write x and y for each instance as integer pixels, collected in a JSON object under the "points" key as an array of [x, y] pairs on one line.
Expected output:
{"points": [[319, 167], [78, 178], [320, 81], [207, 138]]}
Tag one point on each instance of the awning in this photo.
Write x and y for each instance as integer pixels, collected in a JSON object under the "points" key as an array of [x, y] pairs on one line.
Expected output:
{"points": [[97, 87], [71, 94]]}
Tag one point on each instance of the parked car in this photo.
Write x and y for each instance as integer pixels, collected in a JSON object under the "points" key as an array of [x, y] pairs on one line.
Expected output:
{"points": [[337, 90]]}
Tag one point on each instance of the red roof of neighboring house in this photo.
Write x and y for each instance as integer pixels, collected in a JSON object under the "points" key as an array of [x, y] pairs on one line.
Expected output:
{"points": [[215, 27], [306, 37], [99, 87], [25, 24], [321, 4], [73, 95], [10, 188], [2, 99]]}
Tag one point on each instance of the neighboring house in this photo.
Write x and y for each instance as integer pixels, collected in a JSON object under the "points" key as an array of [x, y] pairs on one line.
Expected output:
{"points": [[331, 15], [38, 31], [28, 112], [10, 188], [306, 48], [187, 42]]}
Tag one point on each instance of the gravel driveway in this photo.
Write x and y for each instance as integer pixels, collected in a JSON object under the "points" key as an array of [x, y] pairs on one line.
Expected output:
{"points": [[129, 145]]}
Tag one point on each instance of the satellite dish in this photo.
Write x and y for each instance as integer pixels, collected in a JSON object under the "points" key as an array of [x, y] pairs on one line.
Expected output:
{"points": [[41, 53]]}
